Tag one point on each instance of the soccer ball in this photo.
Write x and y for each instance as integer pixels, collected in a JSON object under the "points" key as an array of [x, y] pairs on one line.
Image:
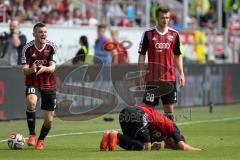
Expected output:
{"points": [[16, 141]]}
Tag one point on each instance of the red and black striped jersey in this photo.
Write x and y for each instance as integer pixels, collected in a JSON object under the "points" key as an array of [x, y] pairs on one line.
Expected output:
{"points": [[31, 55], [159, 126], [161, 48]]}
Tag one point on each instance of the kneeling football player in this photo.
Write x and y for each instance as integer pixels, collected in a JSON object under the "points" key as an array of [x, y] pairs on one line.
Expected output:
{"points": [[142, 126]]}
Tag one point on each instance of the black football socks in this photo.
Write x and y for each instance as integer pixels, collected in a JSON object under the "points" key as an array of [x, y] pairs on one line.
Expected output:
{"points": [[44, 132], [31, 119]]}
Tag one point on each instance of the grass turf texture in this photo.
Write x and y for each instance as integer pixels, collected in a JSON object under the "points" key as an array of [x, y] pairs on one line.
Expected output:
{"points": [[216, 133]]}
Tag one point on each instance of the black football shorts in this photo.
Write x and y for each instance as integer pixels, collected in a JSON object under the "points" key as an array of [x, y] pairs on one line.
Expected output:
{"points": [[133, 122], [155, 90], [48, 97]]}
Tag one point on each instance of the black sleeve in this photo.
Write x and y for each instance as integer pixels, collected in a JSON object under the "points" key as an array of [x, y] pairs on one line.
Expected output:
{"points": [[53, 53], [176, 135], [143, 46], [176, 49], [25, 55]]}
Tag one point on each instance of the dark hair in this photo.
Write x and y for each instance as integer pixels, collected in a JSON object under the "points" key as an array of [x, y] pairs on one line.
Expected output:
{"points": [[38, 25], [163, 9], [84, 41], [101, 26]]}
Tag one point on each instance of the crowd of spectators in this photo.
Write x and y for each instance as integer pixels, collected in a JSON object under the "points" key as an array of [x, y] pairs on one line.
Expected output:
{"points": [[56, 12], [70, 12], [125, 13]]}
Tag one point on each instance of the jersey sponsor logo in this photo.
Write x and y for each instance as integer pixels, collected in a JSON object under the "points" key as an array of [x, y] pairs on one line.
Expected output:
{"points": [[40, 62], [162, 45]]}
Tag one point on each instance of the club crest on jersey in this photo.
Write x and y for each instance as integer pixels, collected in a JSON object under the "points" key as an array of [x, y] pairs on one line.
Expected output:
{"points": [[170, 38], [46, 53]]}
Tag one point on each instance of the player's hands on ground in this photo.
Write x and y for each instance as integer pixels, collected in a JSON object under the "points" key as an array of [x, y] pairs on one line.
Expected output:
{"points": [[197, 149], [181, 80], [156, 146]]}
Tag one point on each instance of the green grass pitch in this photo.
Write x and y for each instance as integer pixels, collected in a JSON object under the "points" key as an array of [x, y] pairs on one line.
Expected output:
{"points": [[217, 133]]}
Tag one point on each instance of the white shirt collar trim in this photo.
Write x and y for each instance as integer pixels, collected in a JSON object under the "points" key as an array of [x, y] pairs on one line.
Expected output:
{"points": [[40, 50], [161, 33]]}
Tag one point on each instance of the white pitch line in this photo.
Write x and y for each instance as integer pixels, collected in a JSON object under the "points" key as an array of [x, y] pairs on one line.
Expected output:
{"points": [[67, 134], [180, 124], [77, 133], [209, 121]]}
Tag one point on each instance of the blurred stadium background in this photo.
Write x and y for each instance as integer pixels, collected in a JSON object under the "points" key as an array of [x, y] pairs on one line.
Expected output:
{"points": [[210, 36]]}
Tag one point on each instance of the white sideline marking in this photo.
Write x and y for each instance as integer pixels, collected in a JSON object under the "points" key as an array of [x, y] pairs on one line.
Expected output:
{"points": [[77, 133], [180, 124], [68, 134], [206, 121]]}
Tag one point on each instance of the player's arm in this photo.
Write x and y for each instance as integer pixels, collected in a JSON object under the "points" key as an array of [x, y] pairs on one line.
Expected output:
{"points": [[147, 146], [141, 59], [178, 141], [140, 70], [27, 70], [179, 65], [178, 61], [48, 69], [186, 147]]}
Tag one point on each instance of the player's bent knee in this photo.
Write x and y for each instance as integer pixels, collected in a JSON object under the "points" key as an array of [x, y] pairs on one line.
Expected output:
{"points": [[31, 106], [32, 101]]}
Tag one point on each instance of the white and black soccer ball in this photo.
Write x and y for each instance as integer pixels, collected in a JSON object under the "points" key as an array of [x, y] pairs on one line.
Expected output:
{"points": [[16, 141]]}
